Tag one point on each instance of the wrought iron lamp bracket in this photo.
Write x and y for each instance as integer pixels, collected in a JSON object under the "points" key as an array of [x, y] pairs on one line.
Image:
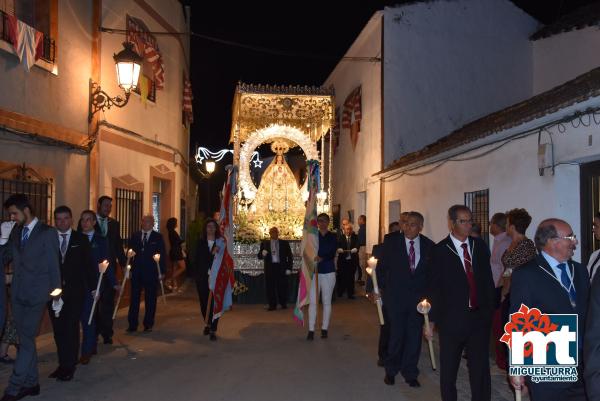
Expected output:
{"points": [[100, 100]]}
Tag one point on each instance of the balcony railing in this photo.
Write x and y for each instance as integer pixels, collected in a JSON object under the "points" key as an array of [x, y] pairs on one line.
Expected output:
{"points": [[49, 47]]}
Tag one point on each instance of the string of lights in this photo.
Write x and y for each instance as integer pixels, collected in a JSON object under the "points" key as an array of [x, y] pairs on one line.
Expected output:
{"points": [[206, 154]]}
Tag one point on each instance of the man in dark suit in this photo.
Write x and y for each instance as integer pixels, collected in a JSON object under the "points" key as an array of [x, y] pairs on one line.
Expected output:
{"points": [[145, 243], [99, 253], [403, 284], [347, 262], [384, 329], [278, 259], [591, 344], [110, 229], [33, 248], [78, 273], [554, 284], [461, 292]]}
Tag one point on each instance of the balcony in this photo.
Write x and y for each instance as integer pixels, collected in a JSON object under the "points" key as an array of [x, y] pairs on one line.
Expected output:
{"points": [[49, 49]]}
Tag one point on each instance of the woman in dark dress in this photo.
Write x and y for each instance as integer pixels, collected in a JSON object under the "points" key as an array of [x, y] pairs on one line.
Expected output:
{"points": [[205, 253], [176, 254]]}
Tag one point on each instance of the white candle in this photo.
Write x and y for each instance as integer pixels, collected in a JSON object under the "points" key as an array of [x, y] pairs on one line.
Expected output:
{"points": [[424, 307], [156, 258], [122, 289], [102, 266], [372, 262]]}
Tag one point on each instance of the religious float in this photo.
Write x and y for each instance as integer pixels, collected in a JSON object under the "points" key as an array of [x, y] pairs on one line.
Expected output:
{"points": [[286, 118]]}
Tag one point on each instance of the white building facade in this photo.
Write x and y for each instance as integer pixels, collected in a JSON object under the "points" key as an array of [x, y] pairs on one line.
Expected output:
{"points": [[464, 127]]}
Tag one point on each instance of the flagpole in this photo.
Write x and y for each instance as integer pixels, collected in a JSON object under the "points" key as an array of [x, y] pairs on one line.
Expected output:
{"points": [[210, 295]]}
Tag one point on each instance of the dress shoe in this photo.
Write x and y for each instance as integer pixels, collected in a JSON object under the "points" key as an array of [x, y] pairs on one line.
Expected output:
{"points": [[389, 380], [108, 340], [131, 330], [33, 390], [323, 333], [148, 329], [56, 373], [67, 375], [310, 336], [283, 306], [206, 330], [212, 337], [85, 359], [351, 297], [380, 363], [271, 308], [413, 383]]}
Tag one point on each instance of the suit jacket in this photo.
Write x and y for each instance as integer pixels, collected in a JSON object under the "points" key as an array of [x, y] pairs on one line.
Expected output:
{"points": [[591, 344], [286, 260], [143, 264], [547, 294], [78, 271], [99, 249], [4, 260], [203, 261], [115, 243], [402, 290], [448, 288], [343, 243], [35, 265]]}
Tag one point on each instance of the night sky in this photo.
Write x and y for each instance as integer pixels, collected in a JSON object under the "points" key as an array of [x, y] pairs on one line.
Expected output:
{"points": [[317, 34]]}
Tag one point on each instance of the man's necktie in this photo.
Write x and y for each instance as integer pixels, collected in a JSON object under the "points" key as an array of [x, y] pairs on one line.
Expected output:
{"points": [[144, 240], [567, 283], [24, 236], [470, 276], [411, 257], [103, 226], [63, 246]]}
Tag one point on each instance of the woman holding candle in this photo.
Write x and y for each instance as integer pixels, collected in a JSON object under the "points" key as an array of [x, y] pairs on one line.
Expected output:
{"points": [[325, 277], [205, 253]]}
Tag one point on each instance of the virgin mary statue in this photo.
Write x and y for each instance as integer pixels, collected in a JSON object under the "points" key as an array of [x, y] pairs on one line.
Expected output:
{"points": [[278, 191]]}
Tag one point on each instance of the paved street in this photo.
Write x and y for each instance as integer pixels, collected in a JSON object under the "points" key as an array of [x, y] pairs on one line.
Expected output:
{"points": [[259, 356]]}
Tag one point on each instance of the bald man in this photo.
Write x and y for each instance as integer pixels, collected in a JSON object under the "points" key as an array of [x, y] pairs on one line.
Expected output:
{"points": [[554, 284], [144, 275]]}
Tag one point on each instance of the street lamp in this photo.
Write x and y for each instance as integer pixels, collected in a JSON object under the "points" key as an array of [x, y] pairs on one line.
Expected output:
{"points": [[210, 166], [128, 64]]}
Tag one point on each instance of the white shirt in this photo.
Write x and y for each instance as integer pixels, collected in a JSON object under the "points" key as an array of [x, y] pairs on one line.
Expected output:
{"points": [[459, 250], [417, 246], [591, 264], [30, 226], [275, 251], [211, 242], [67, 238]]}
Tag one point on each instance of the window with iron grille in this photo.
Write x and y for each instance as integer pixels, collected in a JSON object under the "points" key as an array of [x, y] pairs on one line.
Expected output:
{"points": [[39, 194], [479, 203], [128, 212]]}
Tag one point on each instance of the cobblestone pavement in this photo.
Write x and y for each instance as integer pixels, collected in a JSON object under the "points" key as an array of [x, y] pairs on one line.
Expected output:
{"points": [[259, 355]]}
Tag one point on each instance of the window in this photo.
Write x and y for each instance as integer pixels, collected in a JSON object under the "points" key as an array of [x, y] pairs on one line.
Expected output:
{"points": [[479, 203], [39, 194], [129, 212], [35, 13]]}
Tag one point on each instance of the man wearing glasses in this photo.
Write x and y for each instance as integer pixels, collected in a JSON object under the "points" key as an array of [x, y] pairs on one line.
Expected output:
{"points": [[554, 284], [461, 292]]}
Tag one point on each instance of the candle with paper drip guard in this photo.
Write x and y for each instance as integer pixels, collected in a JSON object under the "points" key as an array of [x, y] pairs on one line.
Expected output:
{"points": [[423, 308], [57, 302], [102, 266], [372, 262], [122, 289], [156, 258], [130, 255]]}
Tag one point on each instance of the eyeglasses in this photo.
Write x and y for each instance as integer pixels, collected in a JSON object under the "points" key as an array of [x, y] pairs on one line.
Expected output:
{"points": [[571, 237]]}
